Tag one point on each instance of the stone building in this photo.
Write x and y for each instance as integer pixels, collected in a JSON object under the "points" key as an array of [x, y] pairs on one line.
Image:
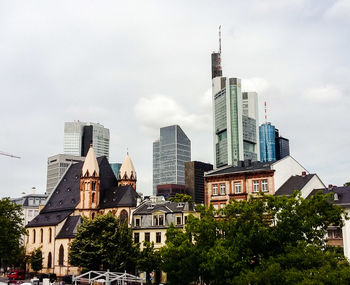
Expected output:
{"points": [[87, 189]]}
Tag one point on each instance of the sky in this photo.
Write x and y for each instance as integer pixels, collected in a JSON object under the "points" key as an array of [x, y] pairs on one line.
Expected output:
{"points": [[136, 66]]}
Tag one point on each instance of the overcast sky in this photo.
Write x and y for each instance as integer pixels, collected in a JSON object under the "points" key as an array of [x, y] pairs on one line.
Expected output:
{"points": [[136, 66]]}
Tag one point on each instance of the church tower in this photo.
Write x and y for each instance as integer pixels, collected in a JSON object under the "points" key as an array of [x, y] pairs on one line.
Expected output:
{"points": [[127, 173], [89, 185]]}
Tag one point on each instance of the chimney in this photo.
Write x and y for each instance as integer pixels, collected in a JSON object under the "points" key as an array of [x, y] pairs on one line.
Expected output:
{"points": [[330, 186], [336, 198], [138, 202], [303, 173]]}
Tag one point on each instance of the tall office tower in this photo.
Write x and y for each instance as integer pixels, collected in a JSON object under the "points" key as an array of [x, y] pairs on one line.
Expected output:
{"points": [[170, 153], [194, 178], [267, 142], [282, 147], [79, 135], [56, 167], [235, 119], [115, 167]]}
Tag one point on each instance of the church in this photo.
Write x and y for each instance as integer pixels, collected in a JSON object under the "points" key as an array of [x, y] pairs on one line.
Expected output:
{"points": [[86, 189]]}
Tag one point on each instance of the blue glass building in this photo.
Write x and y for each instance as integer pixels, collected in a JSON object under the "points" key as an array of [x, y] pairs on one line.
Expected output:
{"points": [[267, 142]]}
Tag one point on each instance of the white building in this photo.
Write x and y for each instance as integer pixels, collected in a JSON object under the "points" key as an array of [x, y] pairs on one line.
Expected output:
{"points": [[57, 166], [79, 135]]}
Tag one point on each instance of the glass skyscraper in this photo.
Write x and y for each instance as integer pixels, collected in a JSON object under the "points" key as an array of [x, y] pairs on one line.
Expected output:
{"points": [[170, 153], [267, 142]]}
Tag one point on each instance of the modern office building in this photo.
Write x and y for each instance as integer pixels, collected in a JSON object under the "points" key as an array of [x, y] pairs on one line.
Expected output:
{"points": [[57, 166], [79, 135], [170, 152], [115, 167], [272, 145], [194, 179], [235, 119], [170, 190]]}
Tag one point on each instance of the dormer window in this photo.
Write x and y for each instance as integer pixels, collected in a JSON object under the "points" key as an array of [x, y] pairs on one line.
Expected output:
{"points": [[137, 222], [158, 220]]}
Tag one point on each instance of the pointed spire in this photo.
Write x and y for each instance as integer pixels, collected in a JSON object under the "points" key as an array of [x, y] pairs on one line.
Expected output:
{"points": [[90, 166], [127, 170]]}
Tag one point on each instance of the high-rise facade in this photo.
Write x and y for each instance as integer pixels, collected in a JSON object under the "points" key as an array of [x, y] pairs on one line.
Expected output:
{"points": [[79, 135], [170, 152], [272, 145], [235, 119]]}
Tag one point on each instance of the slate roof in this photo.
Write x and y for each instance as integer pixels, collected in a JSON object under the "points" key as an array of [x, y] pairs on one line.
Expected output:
{"points": [[69, 228], [255, 166], [168, 207], [65, 197], [343, 193], [295, 182]]}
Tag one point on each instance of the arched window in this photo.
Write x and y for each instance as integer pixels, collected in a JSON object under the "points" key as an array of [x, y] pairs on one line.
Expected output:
{"points": [[50, 234], [93, 216], [41, 235], [49, 260], [93, 197], [61, 255], [33, 236], [93, 185], [124, 216]]}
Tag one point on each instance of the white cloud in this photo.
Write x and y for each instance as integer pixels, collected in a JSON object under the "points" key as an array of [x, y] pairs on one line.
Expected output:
{"points": [[323, 94], [339, 10], [255, 84]]}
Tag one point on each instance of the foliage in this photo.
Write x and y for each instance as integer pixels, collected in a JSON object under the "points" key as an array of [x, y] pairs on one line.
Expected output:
{"points": [[36, 260], [104, 243], [11, 232], [347, 184], [149, 259], [269, 240], [181, 198]]}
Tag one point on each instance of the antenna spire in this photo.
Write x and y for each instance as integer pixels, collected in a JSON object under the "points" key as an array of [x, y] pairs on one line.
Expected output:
{"points": [[265, 113], [220, 39]]}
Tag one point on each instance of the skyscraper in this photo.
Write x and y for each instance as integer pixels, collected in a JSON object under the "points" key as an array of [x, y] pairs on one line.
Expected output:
{"points": [[235, 119], [170, 152], [79, 135]]}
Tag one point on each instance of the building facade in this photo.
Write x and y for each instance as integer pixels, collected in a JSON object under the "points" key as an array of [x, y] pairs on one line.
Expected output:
{"points": [[79, 135], [282, 146], [170, 153], [235, 119], [194, 179], [57, 166], [267, 142], [86, 189], [248, 179], [170, 190], [116, 167]]}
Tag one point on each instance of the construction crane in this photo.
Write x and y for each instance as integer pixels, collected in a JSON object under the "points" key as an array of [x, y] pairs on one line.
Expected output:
{"points": [[8, 154]]}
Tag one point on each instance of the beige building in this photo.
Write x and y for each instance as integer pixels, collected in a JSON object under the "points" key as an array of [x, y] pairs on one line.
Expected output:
{"points": [[86, 189]]}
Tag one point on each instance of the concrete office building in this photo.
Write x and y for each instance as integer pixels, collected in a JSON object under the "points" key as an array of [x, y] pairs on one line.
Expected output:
{"points": [[170, 152], [79, 135], [57, 166], [235, 119], [194, 179]]}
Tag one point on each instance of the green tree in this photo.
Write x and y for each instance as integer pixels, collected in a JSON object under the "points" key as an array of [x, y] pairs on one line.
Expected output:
{"points": [[104, 243], [149, 260], [270, 240], [36, 260], [11, 232], [181, 198], [347, 184]]}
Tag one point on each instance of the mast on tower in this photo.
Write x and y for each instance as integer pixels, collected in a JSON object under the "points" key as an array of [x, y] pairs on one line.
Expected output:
{"points": [[216, 70]]}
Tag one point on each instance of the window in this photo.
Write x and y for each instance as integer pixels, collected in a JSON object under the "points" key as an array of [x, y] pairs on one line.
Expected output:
{"points": [[147, 237], [222, 189], [178, 221], [238, 187], [93, 185], [158, 237], [92, 216], [124, 216], [185, 219], [158, 220], [41, 235], [49, 260], [33, 236], [61, 255], [161, 220], [136, 237], [50, 234], [264, 185], [215, 189], [137, 222], [93, 197], [255, 186]]}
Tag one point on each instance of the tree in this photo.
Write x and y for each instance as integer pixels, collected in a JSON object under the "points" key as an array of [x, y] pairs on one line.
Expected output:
{"points": [[104, 243], [181, 198], [11, 232], [269, 240], [36, 260], [149, 260], [347, 184]]}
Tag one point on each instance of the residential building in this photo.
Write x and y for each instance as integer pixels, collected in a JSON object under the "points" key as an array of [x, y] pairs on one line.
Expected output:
{"points": [[194, 179], [86, 189], [30, 204], [170, 190], [248, 179], [79, 135], [235, 119], [57, 166], [170, 152]]}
